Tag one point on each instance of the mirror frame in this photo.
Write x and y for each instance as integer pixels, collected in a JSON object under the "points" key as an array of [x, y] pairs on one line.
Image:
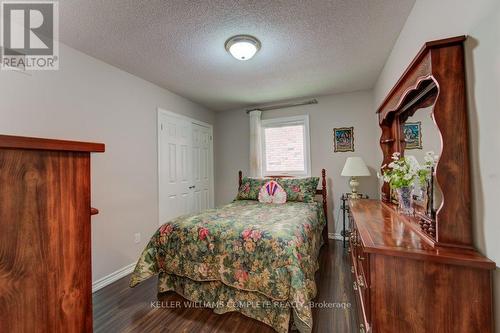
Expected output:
{"points": [[436, 77]]}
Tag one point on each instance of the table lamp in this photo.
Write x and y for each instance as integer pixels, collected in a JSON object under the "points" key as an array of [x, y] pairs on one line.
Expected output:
{"points": [[355, 167]]}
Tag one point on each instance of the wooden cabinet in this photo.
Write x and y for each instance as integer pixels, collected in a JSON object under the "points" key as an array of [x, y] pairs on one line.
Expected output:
{"points": [[405, 284], [45, 262]]}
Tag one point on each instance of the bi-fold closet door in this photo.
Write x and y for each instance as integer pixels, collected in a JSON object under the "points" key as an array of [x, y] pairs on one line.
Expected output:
{"points": [[185, 166]]}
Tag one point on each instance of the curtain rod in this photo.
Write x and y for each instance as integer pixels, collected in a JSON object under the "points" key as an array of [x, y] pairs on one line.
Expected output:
{"points": [[282, 106]]}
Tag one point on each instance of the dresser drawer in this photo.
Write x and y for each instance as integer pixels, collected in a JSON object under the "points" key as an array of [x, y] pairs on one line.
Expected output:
{"points": [[360, 274], [358, 256]]}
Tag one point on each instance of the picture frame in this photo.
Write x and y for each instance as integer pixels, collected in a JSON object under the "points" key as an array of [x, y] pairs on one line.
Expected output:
{"points": [[413, 135], [343, 139]]}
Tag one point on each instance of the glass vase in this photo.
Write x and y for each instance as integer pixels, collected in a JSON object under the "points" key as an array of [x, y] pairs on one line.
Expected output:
{"points": [[405, 200]]}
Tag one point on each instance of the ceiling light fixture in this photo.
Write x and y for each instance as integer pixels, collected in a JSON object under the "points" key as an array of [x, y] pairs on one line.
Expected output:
{"points": [[242, 47]]}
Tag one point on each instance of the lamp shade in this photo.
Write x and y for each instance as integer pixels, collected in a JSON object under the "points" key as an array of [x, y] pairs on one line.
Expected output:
{"points": [[355, 167]]}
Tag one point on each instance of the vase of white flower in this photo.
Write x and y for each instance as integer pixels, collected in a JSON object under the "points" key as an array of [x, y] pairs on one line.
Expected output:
{"points": [[401, 174], [405, 200]]}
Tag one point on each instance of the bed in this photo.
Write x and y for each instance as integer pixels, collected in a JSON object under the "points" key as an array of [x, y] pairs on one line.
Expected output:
{"points": [[256, 258]]}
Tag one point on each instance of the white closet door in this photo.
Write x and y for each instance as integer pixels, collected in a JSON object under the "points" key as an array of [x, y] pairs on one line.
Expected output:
{"points": [[202, 170], [175, 167]]}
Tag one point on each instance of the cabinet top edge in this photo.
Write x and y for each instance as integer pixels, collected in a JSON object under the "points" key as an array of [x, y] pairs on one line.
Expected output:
{"points": [[22, 142], [383, 231]]}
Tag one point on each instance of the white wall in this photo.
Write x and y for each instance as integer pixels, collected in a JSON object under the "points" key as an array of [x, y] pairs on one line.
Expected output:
{"points": [[344, 110], [480, 19], [90, 100], [232, 153]]}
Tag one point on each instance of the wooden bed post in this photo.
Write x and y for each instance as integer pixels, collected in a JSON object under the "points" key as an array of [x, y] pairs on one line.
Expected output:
{"points": [[240, 179], [325, 207]]}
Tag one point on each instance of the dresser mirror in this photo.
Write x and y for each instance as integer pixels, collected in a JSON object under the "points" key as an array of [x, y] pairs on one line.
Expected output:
{"points": [[432, 86], [422, 142], [410, 130]]}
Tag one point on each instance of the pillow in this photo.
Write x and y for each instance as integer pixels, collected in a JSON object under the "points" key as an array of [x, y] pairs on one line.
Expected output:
{"points": [[250, 187], [272, 192], [300, 189]]}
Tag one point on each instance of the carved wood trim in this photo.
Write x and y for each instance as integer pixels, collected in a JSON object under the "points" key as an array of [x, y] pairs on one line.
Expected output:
{"points": [[422, 53]]}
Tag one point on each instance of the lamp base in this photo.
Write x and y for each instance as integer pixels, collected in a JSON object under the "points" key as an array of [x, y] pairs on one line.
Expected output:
{"points": [[354, 188]]}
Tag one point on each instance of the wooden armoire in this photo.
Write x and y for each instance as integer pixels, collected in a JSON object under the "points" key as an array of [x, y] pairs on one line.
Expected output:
{"points": [[45, 260]]}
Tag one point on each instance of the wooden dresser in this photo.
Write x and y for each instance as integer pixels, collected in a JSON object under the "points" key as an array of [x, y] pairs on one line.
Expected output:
{"points": [[404, 284], [45, 261], [420, 272]]}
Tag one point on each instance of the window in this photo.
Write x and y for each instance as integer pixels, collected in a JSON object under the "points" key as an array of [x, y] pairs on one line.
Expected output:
{"points": [[285, 146]]}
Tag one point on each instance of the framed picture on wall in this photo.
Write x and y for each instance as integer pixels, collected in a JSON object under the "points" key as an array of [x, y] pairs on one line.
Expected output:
{"points": [[413, 135], [343, 139]]}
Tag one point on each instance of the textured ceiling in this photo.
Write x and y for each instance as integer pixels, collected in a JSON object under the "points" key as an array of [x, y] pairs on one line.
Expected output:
{"points": [[309, 48]]}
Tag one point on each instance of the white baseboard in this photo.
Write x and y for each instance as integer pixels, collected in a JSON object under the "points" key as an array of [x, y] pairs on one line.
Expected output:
{"points": [[108, 279], [332, 235]]}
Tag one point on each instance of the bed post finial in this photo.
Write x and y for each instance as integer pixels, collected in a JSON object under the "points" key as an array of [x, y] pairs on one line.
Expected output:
{"points": [[240, 178]]}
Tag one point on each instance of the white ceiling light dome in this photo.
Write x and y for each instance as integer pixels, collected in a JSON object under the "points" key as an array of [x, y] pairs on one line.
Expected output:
{"points": [[243, 47]]}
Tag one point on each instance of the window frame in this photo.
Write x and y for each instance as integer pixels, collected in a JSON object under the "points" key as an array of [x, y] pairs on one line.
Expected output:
{"points": [[283, 122]]}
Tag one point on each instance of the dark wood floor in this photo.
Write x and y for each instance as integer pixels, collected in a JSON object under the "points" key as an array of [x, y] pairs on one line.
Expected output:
{"points": [[118, 308]]}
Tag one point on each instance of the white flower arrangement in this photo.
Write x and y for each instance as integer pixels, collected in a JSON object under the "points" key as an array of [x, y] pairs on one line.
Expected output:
{"points": [[430, 159], [403, 171]]}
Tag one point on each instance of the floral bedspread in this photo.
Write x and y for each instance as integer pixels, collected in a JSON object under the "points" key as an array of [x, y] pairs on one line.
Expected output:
{"points": [[244, 251]]}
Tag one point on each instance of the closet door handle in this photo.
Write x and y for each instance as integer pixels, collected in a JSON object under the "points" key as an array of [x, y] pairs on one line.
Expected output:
{"points": [[191, 187]]}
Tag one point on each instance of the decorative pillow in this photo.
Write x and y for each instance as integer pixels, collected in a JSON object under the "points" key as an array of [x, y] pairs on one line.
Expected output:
{"points": [[250, 187], [272, 192], [300, 189]]}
